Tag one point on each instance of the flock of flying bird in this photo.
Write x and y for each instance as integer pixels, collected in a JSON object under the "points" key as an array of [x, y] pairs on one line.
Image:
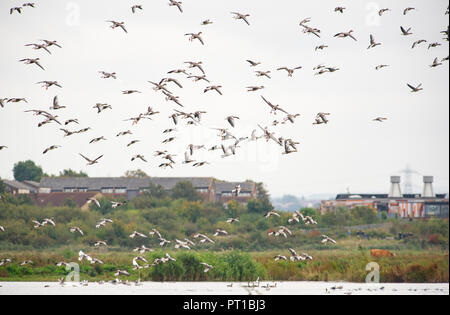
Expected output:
{"points": [[195, 70]]}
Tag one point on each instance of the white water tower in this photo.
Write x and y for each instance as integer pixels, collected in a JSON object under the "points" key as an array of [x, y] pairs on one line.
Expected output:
{"points": [[428, 191], [395, 191]]}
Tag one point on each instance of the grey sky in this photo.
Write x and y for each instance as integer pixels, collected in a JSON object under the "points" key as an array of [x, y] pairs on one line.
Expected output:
{"points": [[351, 151]]}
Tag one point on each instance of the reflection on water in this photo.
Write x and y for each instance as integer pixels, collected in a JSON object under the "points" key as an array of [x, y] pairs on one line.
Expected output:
{"points": [[222, 288]]}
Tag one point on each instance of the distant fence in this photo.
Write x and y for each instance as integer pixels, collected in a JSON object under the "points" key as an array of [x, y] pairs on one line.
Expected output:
{"points": [[350, 228]]}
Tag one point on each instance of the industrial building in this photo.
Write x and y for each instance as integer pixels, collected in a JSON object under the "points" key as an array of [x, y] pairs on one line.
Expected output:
{"points": [[395, 204]]}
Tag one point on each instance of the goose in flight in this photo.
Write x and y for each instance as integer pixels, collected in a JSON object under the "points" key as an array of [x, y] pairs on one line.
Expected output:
{"points": [[2, 229], [373, 44], [128, 92], [50, 43], [220, 231], [70, 121], [381, 67], [290, 146], [141, 157], [115, 204], [100, 243], [179, 71], [15, 9], [289, 71], [91, 162], [200, 164], [405, 32], [39, 46], [204, 238], [136, 264], [215, 88], [206, 22], [254, 88], [196, 65], [231, 120], [380, 119], [407, 10], [163, 242], [436, 63], [346, 34], [253, 63], [107, 75], [309, 220], [263, 74], [194, 36], [93, 200], [271, 213], [48, 84], [168, 80], [274, 108], [188, 159], [280, 257], [27, 262], [118, 24], [135, 233], [173, 3], [433, 45], [103, 222], [5, 261], [121, 273], [326, 239], [340, 9], [199, 78], [418, 42], [415, 89], [208, 267], [53, 147], [321, 47], [18, 100], [28, 61], [183, 244], [172, 98], [97, 140], [143, 249], [82, 256], [124, 133], [133, 142], [237, 189], [76, 229], [2, 102], [160, 87], [382, 11], [290, 118], [101, 107], [154, 232], [232, 220], [243, 17], [136, 7]]}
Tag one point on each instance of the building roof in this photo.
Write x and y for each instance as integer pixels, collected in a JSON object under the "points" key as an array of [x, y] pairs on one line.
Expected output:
{"points": [[227, 187], [96, 184], [18, 185], [381, 196]]}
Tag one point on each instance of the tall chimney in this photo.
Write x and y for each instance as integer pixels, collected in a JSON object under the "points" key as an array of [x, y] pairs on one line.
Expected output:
{"points": [[395, 191], [428, 191]]}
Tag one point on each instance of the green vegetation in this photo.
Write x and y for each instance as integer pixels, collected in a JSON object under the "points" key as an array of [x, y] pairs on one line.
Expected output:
{"points": [[27, 170], [177, 215]]}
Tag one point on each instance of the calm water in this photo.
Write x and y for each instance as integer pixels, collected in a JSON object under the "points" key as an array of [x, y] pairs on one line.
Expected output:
{"points": [[221, 288]]}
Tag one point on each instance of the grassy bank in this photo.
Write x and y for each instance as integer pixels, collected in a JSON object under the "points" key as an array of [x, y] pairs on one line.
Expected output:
{"points": [[334, 265]]}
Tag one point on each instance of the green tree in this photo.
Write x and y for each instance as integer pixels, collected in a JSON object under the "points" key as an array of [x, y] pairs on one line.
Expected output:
{"points": [[72, 173], [185, 190], [27, 170], [135, 174], [156, 191]]}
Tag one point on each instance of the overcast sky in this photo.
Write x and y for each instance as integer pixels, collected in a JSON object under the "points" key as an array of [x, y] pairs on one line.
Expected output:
{"points": [[351, 151]]}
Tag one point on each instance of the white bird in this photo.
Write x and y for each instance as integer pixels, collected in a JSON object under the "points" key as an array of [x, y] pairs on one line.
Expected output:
{"points": [[135, 233], [271, 213], [93, 200], [76, 229], [327, 239], [208, 267], [82, 256]]}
